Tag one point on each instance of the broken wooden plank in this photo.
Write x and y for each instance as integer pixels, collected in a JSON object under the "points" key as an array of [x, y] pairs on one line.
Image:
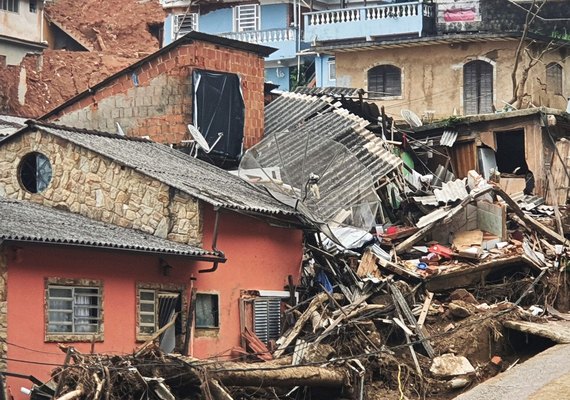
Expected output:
{"points": [[286, 340], [549, 233], [557, 332], [425, 309], [400, 301]]}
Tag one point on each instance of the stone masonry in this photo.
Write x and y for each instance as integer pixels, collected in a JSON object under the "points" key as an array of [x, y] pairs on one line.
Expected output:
{"points": [[154, 99], [87, 183]]}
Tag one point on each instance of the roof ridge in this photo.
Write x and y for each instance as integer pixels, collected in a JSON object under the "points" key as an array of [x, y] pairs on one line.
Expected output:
{"points": [[34, 123]]}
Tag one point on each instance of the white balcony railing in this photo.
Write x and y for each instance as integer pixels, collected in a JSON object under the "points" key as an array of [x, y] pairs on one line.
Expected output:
{"points": [[263, 37], [391, 19]]}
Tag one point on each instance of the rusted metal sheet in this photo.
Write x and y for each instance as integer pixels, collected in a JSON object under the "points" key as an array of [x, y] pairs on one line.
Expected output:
{"points": [[463, 158]]}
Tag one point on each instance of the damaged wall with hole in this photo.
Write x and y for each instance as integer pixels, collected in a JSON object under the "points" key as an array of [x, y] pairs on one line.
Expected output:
{"points": [[84, 182], [155, 98]]}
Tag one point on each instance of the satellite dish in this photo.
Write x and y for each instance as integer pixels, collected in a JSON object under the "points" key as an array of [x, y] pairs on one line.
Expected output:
{"points": [[120, 130], [200, 141], [411, 118]]}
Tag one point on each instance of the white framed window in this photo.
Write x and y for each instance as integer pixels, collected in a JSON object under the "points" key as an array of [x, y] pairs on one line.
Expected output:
{"points": [[332, 69], [156, 309], [246, 18], [73, 310], [183, 24], [10, 5]]}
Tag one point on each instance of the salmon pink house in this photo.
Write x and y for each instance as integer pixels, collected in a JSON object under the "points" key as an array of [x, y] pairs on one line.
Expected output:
{"points": [[107, 240]]}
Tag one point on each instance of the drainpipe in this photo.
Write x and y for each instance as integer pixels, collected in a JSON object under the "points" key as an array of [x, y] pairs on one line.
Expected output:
{"points": [[214, 242]]}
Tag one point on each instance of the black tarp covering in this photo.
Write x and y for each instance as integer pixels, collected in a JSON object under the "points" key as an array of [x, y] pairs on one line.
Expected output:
{"points": [[219, 107]]}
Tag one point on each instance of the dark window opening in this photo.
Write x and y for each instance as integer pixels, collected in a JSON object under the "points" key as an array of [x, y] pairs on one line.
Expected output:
{"points": [[477, 87], [33, 6], [35, 172], [157, 31], [384, 81], [219, 108], [207, 310], [156, 310], [510, 154]]}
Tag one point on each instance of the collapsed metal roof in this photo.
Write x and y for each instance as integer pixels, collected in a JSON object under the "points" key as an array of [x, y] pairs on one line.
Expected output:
{"points": [[29, 222], [314, 142]]}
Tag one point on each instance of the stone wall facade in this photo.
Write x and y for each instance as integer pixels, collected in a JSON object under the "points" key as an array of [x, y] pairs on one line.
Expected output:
{"points": [[87, 183], [155, 98]]}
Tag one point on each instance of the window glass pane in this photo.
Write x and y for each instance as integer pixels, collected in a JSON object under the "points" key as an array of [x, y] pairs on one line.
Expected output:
{"points": [[149, 307], [147, 318], [57, 316], [147, 330], [52, 328], [60, 292], [206, 310], [147, 295], [60, 305]]}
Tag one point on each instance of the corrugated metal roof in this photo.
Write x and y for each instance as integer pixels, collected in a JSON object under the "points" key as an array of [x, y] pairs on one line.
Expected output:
{"points": [[303, 115], [448, 138], [314, 134], [330, 91], [174, 168], [451, 191], [28, 222], [10, 124]]}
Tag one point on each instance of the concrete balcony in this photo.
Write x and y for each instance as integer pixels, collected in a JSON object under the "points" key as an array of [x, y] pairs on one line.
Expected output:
{"points": [[284, 40], [401, 19]]}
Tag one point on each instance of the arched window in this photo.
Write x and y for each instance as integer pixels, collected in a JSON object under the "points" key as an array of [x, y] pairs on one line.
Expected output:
{"points": [[385, 81], [554, 78], [478, 87]]}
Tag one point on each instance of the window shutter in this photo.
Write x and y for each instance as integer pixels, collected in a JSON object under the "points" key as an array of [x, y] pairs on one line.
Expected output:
{"points": [[267, 318], [477, 87], [385, 80]]}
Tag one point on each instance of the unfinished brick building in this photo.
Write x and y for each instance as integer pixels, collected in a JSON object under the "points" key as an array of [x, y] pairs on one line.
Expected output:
{"points": [[211, 82]]}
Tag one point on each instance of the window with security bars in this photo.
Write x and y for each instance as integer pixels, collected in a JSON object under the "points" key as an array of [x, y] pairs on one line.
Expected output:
{"points": [[477, 87], [246, 18], [554, 78], [183, 24], [384, 81], [10, 5], [267, 318], [156, 309], [73, 309]]}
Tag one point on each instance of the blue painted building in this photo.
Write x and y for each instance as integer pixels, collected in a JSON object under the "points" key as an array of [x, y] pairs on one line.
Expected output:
{"points": [[293, 28], [270, 23]]}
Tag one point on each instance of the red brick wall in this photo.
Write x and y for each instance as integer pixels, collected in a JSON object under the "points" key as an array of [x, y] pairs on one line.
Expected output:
{"points": [[160, 105]]}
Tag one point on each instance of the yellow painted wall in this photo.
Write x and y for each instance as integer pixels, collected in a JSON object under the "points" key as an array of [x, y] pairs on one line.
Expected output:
{"points": [[432, 75]]}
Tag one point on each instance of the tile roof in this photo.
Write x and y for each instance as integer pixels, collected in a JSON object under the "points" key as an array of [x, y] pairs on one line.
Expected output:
{"points": [[30, 222], [10, 124], [197, 178]]}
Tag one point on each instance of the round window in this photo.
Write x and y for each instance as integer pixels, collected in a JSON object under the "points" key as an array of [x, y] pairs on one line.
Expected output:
{"points": [[35, 172]]}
